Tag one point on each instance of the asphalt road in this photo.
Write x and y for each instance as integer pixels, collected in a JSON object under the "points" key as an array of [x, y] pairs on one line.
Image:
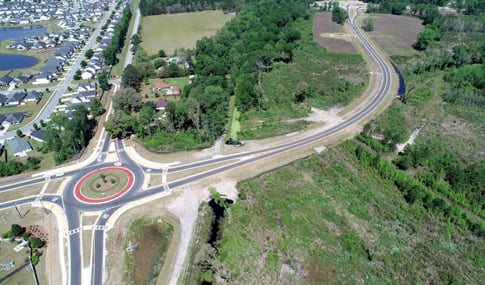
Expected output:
{"points": [[72, 207]]}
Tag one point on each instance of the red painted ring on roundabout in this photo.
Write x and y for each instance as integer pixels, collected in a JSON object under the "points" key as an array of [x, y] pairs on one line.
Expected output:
{"points": [[80, 196]]}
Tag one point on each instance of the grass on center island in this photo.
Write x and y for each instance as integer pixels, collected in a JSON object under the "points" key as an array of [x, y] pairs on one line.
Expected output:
{"points": [[114, 182], [172, 31]]}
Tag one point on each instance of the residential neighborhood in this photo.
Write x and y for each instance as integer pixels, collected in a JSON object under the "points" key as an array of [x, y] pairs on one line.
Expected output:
{"points": [[67, 46]]}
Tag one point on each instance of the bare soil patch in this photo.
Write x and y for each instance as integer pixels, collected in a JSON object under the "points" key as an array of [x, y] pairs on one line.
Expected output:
{"points": [[395, 34], [331, 35]]}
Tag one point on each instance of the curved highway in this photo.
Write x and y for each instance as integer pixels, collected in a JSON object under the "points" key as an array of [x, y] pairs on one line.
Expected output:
{"points": [[73, 207]]}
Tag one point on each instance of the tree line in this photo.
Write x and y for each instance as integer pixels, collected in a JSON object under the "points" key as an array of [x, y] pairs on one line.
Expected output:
{"points": [[118, 38], [156, 7], [421, 7]]}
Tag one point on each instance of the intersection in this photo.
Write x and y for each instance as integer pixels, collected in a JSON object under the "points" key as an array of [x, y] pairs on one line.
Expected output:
{"points": [[73, 205]]}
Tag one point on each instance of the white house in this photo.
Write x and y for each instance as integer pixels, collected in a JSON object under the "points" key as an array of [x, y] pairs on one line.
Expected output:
{"points": [[87, 75]]}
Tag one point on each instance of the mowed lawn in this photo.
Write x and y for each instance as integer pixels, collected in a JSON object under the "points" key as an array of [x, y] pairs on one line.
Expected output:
{"points": [[172, 31]]}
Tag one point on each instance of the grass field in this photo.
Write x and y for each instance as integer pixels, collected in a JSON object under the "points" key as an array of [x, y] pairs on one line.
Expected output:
{"points": [[328, 220], [169, 32]]}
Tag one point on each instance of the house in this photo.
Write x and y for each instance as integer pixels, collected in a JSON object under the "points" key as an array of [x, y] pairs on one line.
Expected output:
{"points": [[42, 79], [33, 97], [3, 99], [173, 91], [24, 46], [83, 97], [91, 69], [161, 86], [50, 44], [14, 118], [161, 104], [87, 74], [39, 45], [5, 80], [16, 99], [86, 87], [2, 118], [21, 79], [38, 135], [19, 147]]}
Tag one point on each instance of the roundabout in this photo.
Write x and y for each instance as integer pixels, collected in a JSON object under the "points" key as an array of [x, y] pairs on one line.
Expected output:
{"points": [[104, 185]]}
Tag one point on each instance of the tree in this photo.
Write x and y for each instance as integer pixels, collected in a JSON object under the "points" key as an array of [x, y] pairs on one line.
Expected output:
{"points": [[77, 75], [172, 70], [96, 108], [89, 53], [145, 69], [339, 15], [33, 163], [19, 133], [131, 77], [16, 230], [368, 24], [217, 197], [424, 39], [109, 55], [128, 100], [103, 81], [159, 63], [460, 55], [135, 39], [36, 242], [161, 53], [84, 63]]}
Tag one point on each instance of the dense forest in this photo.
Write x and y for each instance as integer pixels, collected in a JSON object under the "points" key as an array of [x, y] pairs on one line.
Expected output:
{"points": [[156, 7]]}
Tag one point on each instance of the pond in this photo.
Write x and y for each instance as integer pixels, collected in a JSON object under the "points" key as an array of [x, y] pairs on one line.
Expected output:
{"points": [[14, 33], [16, 61]]}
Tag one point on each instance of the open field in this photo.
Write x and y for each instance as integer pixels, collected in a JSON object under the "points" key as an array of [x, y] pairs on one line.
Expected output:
{"points": [[395, 34], [172, 31], [48, 268], [331, 35], [328, 220]]}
